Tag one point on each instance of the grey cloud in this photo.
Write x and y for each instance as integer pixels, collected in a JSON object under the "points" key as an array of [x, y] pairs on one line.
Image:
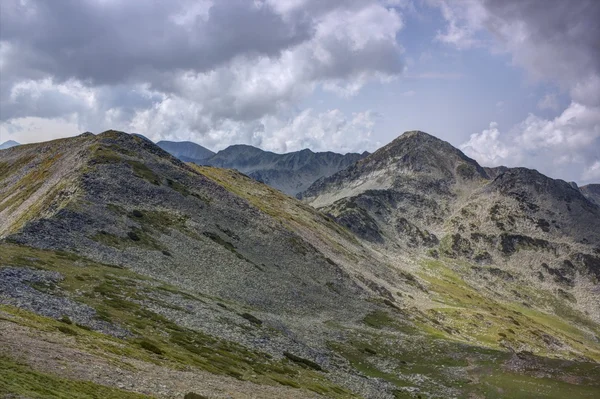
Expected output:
{"points": [[553, 39], [219, 71], [109, 42]]}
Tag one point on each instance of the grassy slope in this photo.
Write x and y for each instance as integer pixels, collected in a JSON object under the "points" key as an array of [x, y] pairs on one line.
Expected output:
{"points": [[118, 295]]}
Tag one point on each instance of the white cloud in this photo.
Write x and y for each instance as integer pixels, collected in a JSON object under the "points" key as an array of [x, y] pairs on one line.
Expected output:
{"points": [[553, 40], [562, 147], [464, 21], [592, 173], [549, 101], [486, 147], [308, 129]]}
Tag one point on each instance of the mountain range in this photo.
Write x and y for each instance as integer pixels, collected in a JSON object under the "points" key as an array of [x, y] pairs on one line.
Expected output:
{"points": [[290, 173], [410, 272]]}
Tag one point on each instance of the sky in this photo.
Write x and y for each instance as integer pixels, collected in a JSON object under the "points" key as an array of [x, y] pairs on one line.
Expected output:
{"points": [[509, 82]]}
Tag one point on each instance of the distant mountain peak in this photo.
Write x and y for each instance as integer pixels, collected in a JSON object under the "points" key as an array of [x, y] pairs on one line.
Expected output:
{"points": [[8, 144], [187, 151]]}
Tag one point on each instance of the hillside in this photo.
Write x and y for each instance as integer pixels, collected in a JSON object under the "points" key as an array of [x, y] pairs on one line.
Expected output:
{"points": [[169, 277]]}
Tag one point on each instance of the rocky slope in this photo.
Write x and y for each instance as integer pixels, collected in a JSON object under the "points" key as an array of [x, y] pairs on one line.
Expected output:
{"points": [[290, 173], [420, 195], [168, 277], [187, 151], [591, 192]]}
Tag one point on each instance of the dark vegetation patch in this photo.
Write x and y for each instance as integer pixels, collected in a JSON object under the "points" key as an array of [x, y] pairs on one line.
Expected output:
{"points": [[543, 225], [144, 172], [566, 295], [562, 275], [230, 247], [590, 263], [494, 271], [216, 238], [377, 288], [483, 257], [511, 243], [488, 239], [252, 319], [66, 330], [303, 362], [151, 347], [414, 235], [454, 245], [192, 395], [136, 213]]}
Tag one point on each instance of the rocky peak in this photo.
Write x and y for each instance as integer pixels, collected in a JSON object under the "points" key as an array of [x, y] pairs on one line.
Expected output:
{"points": [[591, 192], [416, 161]]}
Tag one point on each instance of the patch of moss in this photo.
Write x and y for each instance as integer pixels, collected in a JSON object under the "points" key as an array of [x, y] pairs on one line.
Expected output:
{"points": [[150, 347], [144, 172]]}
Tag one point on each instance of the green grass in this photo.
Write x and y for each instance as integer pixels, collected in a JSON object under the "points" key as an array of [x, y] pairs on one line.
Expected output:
{"points": [[20, 379], [469, 314], [516, 386]]}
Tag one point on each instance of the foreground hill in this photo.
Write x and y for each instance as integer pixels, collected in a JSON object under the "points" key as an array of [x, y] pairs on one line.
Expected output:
{"points": [[290, 173], [168, 277]]}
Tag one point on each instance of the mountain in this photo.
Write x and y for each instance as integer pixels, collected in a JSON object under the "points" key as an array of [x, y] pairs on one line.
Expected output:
{"points": [[591, 192], [8, 144], [420, 195], [290, 173], [186, 150], [125, 272]]}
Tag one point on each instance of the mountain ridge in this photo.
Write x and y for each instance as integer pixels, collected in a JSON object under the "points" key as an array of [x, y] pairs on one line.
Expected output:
{"points": [[289, 172]]}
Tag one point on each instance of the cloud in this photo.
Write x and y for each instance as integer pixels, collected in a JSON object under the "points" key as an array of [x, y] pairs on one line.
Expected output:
{"points": [[308, 129], [592, 173], [549, 101], [208, 65], [554, 41], [486, 146], [565, 147], [464, 22], [109, 42]]}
